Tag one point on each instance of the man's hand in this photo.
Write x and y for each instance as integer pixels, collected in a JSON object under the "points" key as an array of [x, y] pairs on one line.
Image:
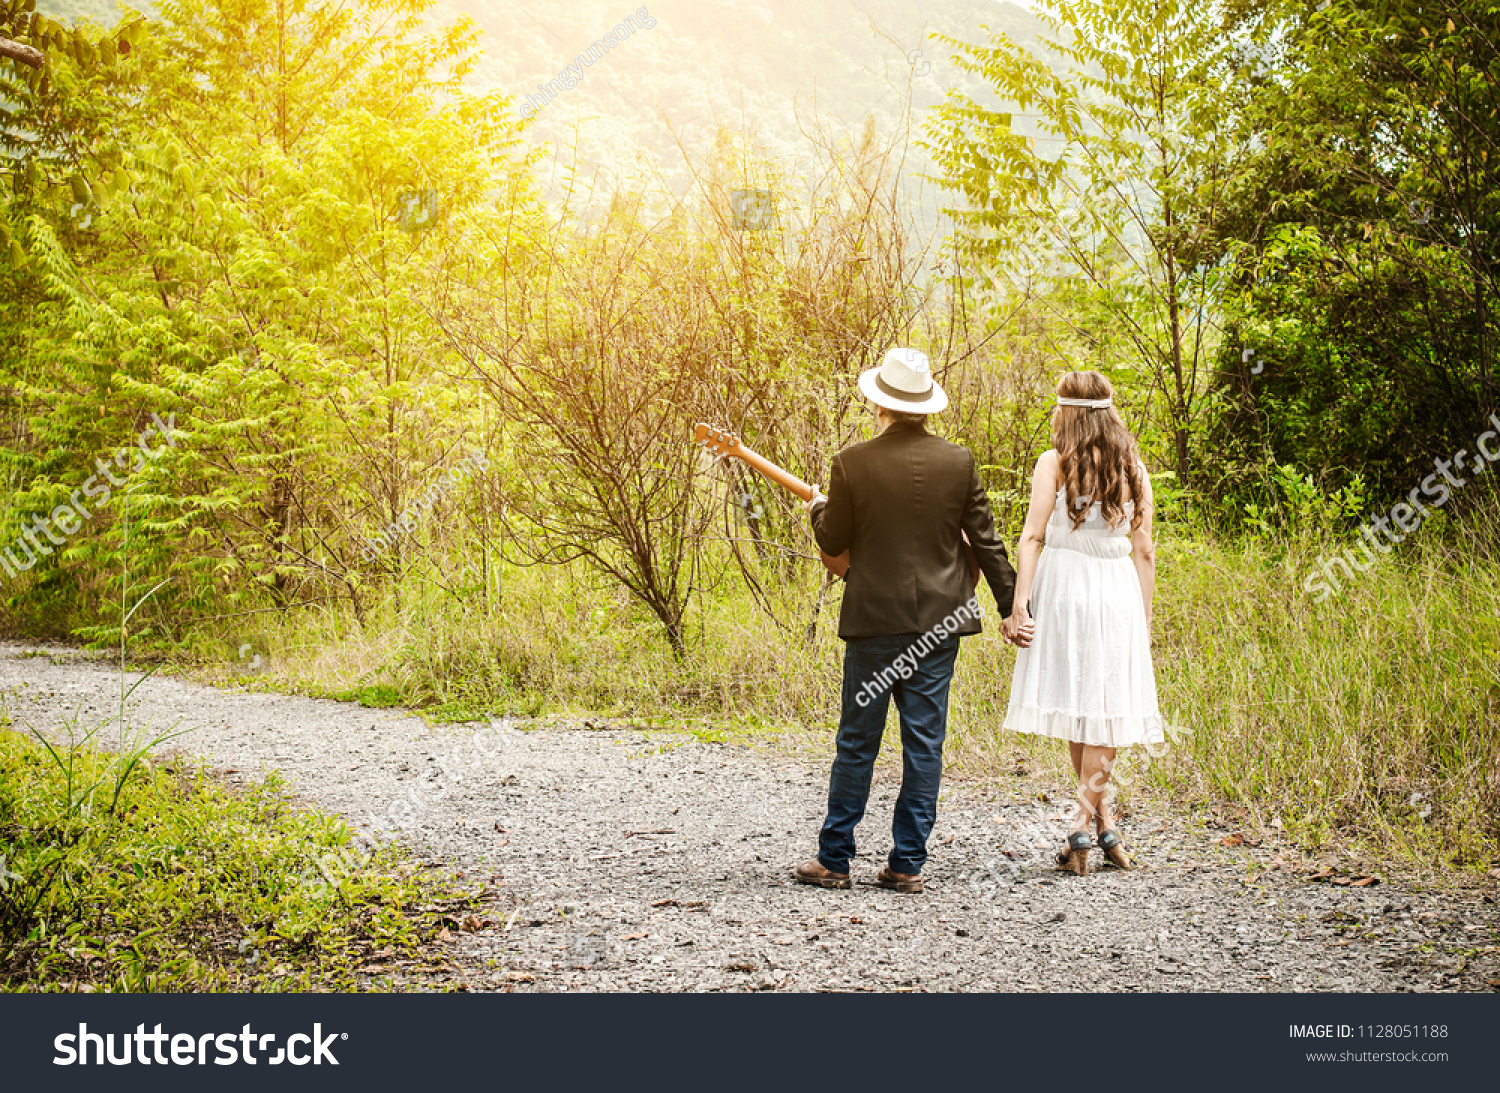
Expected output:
{"points": [[815, 500]]}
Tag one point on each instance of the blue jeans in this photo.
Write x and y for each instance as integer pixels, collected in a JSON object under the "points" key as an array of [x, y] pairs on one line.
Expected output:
{"points": [[922, 703]]}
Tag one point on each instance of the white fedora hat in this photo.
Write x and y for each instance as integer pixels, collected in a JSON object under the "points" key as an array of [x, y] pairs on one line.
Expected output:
{"points": [[904, 382]]}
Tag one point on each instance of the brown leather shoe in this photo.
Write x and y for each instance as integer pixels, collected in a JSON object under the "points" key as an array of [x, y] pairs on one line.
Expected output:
{"points": [[812, 872], [898, 882]]}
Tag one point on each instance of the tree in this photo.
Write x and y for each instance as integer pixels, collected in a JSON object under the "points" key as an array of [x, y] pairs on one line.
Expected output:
{"points": [[1369, 241], [288, 206], [1138, 112]]}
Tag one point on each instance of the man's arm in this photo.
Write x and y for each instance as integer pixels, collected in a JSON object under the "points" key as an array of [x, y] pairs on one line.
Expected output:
{"points": [[833, 521], [989, 551]]}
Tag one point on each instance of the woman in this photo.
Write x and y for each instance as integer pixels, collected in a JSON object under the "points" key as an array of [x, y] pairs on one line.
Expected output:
{"points": [[1083, 670]]}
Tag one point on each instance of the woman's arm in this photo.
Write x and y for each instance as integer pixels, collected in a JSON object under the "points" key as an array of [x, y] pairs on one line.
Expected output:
{"points": [[1043, 500], [1143, 551]]}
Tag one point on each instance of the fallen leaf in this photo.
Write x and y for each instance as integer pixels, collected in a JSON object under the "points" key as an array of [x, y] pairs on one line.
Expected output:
{"points": [[634, 937], [948, 841], [472, 923], [444, 935], [666, 903], [1323, 874], [501, 829], [856, 920], [519, 977], [1365, 882], [1236, 839]]}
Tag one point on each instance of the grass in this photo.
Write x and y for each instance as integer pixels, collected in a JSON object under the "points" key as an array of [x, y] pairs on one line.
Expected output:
{"points": [[1371, 720], [154, 875], [1369, 723]]}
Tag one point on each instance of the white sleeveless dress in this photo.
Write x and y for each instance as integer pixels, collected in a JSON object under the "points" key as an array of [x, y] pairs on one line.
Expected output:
{"points": [[1087, 675]]}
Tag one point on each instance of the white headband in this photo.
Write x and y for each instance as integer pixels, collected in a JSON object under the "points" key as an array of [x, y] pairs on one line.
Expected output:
{"points": [[1091, 403]]}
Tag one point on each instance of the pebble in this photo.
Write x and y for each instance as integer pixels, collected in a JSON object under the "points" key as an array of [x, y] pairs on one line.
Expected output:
{"points": [[616, 859]]}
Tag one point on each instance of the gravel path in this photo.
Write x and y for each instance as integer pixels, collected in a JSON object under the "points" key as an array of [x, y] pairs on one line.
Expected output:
{"points": [[624, 860]]}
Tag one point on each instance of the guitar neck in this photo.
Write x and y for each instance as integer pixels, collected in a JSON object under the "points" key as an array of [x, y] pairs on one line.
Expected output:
{"points": [[784, 479]]}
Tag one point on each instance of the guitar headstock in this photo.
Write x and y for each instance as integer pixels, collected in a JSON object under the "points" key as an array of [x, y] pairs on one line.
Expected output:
{"points": [[718, 441]]}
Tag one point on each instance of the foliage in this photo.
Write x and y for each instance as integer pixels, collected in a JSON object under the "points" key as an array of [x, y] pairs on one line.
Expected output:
{"points": [[56, 137], [1328, 716], [330, 267], [1373, 717], [129, 873], [603, 353], [1113, 217], [263, 284], [1363, 327]]}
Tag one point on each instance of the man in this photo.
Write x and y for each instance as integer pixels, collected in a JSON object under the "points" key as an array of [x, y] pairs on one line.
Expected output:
{"points": [[898, 504]]}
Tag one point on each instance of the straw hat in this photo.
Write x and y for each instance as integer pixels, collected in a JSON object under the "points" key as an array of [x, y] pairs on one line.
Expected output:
{"points": [[904, 382]]}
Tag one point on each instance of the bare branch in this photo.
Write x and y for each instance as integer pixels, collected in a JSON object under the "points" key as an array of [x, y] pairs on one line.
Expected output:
{"points": [[20, 51]]}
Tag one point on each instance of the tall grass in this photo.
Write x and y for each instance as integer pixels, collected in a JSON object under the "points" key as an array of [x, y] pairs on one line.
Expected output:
{"points": [[1374, 715], [191, 884], [1371, 718]]}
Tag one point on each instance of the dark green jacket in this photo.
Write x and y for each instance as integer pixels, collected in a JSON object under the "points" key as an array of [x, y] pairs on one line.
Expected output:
{"points": [[897, 503]]}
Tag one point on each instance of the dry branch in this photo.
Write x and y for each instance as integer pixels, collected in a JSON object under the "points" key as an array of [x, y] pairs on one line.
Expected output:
{"points": [[18, 51]]}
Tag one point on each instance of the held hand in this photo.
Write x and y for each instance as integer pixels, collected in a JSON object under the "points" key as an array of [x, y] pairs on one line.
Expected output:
{"points": [[815, 500], [1019, 628]]}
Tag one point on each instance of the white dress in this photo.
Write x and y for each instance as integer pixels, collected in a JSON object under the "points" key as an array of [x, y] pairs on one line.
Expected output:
{"points": [[1087, 675]]}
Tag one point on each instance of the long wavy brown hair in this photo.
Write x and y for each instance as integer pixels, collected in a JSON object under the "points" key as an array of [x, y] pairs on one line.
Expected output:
{"points": [[1098, 454]]}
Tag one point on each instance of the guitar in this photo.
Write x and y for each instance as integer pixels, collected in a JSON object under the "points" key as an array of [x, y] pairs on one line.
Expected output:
{"points": [[722, 442]]}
